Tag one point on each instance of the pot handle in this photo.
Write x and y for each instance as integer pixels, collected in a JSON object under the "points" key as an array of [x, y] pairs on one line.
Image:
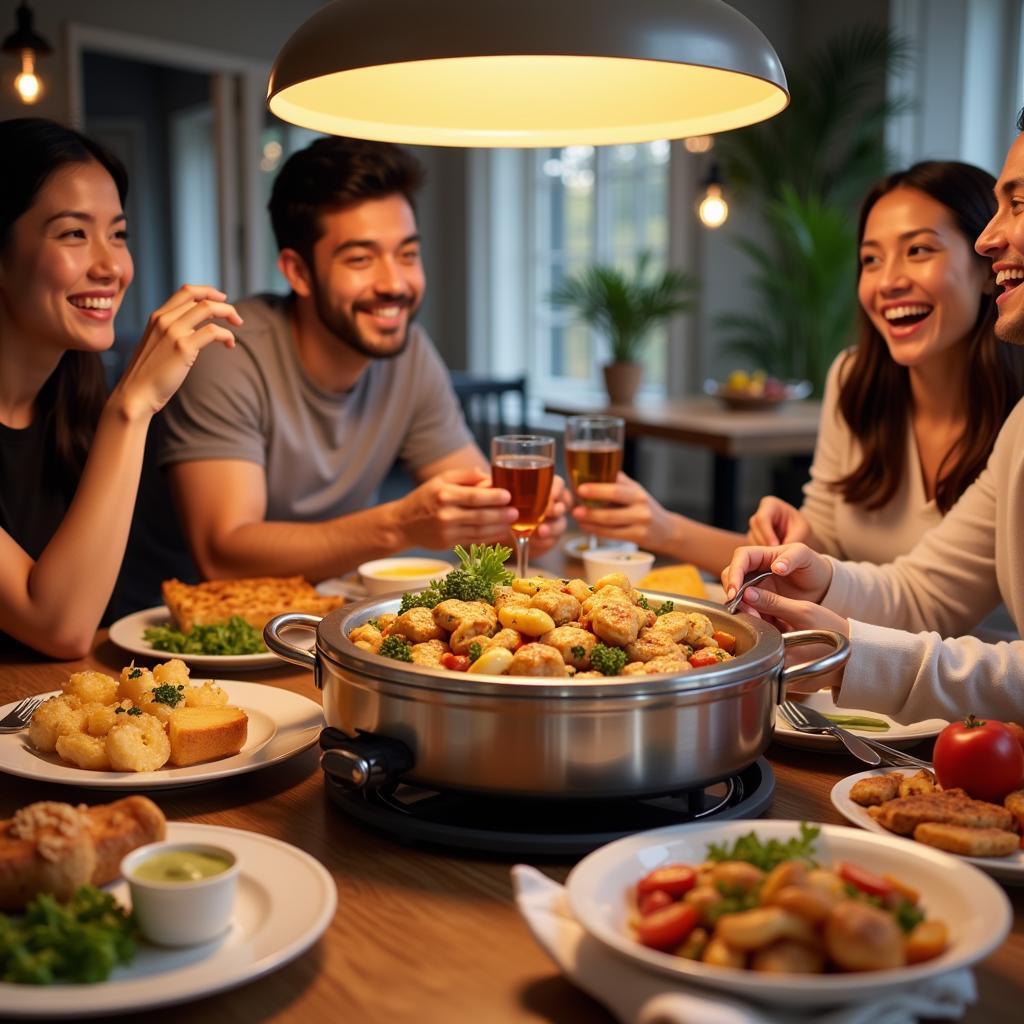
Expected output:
{"points": [[826, 663], [366, 761], [281, 647]]}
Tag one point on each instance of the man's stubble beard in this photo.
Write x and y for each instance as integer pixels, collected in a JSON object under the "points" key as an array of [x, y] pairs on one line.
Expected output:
{"points": [[343, 327]]}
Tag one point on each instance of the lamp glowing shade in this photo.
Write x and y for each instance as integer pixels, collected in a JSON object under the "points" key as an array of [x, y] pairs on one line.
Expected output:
{"points": [[530, 73], [27, 83]]}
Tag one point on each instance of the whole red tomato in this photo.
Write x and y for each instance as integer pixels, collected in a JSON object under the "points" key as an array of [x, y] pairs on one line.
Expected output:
{"points": [[983, 758]]}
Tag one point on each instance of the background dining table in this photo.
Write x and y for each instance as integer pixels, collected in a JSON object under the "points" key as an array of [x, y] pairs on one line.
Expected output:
{"points": [[420, 934]]}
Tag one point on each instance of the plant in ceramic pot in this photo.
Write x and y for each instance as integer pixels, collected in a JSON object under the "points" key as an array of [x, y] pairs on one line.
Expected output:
{"points": [[624, 307]]}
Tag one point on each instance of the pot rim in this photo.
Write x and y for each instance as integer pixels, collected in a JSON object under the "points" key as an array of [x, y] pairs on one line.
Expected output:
{"points": [[334, 646]]}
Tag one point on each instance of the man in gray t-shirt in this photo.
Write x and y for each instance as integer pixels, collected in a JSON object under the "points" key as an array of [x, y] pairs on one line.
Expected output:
{"points": [[275, 451]]}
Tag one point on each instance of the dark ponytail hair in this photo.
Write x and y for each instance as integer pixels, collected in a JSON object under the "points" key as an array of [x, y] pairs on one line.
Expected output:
{"points": [[31, 150], [874, 391]]}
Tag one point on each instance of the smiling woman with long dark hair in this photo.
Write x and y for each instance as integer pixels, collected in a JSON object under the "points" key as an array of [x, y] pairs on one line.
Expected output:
{"points": [[71, 456]]}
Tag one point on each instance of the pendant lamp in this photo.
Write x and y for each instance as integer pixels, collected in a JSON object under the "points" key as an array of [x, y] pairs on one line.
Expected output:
{"points": [[526, 73]]}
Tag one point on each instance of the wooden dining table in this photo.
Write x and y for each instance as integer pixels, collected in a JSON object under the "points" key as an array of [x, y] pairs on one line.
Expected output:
{"points": [[420, 934]]}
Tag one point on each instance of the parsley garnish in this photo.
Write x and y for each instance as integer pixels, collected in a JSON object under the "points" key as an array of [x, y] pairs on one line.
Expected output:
{"points": [[578, 651], [135, 673], [664, 608], [642, 602], [475, 650], [235, 636], [767, 855], [375, 623], [169, 694], [395, 647], [480, 570], [131, 711]]}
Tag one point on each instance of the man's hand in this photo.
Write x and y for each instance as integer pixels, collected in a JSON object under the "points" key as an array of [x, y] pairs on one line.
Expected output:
{"points": [[454, 507]]}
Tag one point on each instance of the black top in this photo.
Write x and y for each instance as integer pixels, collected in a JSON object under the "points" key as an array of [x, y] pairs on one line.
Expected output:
{"points": [[31, 505]]}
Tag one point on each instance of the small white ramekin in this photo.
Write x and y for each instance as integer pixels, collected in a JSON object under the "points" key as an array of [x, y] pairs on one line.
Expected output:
{"points": [[378, 578], [181, 913], [635, 565]]}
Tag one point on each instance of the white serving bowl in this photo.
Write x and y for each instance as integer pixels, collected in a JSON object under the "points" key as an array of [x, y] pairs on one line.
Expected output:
{"points": [[600, 562], [181, 913], [974, 908], [387, 575]]}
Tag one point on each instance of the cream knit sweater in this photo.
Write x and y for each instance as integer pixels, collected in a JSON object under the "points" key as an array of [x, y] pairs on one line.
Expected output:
{"points": [[952, 578]]}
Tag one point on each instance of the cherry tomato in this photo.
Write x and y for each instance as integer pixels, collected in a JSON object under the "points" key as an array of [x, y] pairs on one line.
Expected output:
{"points": [[667, 927], [983, 758], [873, 885], [675, 879], [455, 662], [652, 901], [724, 640], [705, 656]]}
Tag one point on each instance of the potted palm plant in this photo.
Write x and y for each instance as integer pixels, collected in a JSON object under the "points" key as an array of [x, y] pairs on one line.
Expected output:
{"points": [[624, 307]]}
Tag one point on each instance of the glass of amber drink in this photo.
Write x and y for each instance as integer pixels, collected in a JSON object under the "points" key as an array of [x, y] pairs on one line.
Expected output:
{"points": [[524, 464], [593, 453]]}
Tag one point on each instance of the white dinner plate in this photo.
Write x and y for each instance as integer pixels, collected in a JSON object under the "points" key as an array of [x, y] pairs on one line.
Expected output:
{"points": [[281, 724], [895, 736], [285, 901], [976, 910], [128, 634], [1006, 869]]}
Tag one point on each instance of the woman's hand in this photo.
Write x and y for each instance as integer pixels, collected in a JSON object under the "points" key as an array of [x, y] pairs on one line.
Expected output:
{"points": [[175, 335], [800, 576], [777, 522], [627, 512]]}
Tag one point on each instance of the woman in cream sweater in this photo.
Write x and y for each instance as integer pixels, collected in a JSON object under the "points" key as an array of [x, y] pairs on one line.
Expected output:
{"points": [[909, 657]]}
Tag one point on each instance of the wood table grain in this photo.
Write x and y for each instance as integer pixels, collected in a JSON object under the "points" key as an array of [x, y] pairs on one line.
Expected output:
{"points": [[420, 935]]}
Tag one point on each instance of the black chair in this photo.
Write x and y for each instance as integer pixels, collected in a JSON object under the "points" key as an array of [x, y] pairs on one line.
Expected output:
{"points": [[483, 401]]}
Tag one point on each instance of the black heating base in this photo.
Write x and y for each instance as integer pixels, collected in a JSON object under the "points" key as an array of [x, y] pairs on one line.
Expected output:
{"points": [[539, 827]]}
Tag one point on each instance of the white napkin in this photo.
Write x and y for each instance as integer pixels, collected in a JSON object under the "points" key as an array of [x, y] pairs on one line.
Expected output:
{"points": [[637, 996]]}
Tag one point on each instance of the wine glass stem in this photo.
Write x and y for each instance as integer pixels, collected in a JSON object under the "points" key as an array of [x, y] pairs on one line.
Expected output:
{"points": [[522, 548], [591, 541]]}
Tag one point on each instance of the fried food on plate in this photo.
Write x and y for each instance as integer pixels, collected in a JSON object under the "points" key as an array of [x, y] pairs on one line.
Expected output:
{"points": [[876, 789], [257, 600], [1014, 803], [969, 842], [54, 847], [950, 807]]}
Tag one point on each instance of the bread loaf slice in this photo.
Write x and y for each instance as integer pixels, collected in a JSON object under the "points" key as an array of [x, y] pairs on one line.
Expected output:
{"points": [[205, 733]]}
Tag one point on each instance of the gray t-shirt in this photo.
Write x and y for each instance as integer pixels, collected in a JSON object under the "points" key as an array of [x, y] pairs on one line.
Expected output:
{"points": [[324, 454]]}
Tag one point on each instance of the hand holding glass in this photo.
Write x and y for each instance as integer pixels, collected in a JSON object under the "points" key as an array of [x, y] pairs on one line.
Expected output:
{"points": [[524, 464], [593, 453]]}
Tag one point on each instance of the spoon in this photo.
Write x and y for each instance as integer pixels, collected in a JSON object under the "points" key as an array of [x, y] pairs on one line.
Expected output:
{"points": [[731, 606]]}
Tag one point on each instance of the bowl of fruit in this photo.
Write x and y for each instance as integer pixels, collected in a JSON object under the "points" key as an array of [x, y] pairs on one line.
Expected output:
{"points": [[757, 390]]}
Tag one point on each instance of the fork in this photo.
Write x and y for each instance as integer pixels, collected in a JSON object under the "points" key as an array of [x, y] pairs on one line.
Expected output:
{"points": [[797, 717], [17, 718]]}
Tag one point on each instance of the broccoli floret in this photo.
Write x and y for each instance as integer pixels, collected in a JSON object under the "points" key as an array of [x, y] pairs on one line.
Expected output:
{"points": [[429, 598], [609, 661], [395, 647], [479, 572]]}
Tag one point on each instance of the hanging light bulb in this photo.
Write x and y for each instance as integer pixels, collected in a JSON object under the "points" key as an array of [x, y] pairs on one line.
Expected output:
{"points": [[28, 83], [28, 46], [713, 209]]}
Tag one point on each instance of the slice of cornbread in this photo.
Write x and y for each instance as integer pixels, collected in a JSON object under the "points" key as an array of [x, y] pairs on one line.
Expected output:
{"points": [[674, 579], [206, 733]]}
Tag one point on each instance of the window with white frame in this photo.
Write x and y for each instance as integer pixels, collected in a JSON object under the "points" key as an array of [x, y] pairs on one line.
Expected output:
{"points": [[590, 205], [546, 214]]}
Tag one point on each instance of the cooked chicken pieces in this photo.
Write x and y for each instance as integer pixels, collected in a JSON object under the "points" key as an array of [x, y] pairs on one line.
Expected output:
{"points": [[876, 789], [428, 653], [560, 606], [968, 842], [690, 628], [615, 623], [466, 621], [537, 660], [368, 637], [652, 643], [572, 643], [417, 625]]}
